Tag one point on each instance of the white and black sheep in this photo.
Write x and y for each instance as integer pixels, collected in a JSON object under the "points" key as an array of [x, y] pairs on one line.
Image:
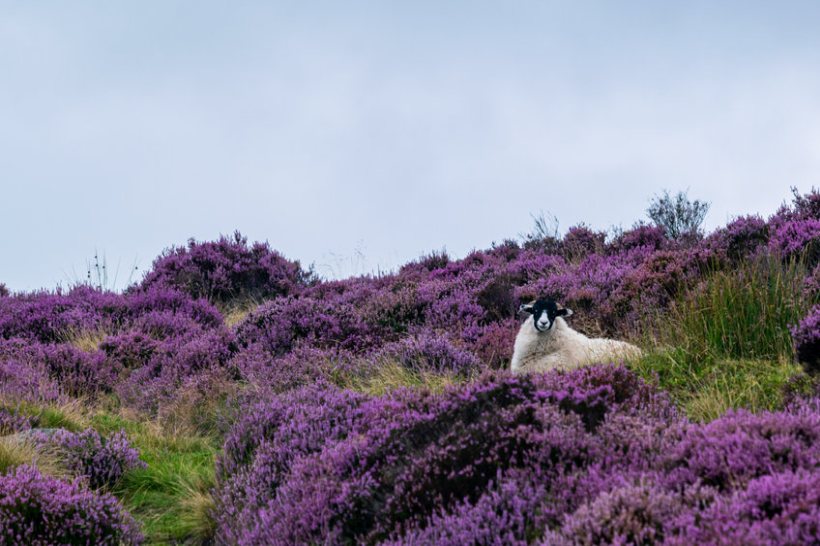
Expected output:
{"points": [[547, 343]]}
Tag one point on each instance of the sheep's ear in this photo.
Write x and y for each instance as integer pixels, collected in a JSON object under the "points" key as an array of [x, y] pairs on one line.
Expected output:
{"points": [[525, 308], [565, 312]]}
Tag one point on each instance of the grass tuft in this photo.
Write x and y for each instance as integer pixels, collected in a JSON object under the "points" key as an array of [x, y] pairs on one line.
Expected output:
{"points": [[726, 343], [16, 450], [391, 376], [744, 313], [171, 496], [86, 340]]}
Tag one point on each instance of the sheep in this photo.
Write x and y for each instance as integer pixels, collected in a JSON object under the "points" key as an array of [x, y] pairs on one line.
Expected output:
{"points": [[546, 342]]}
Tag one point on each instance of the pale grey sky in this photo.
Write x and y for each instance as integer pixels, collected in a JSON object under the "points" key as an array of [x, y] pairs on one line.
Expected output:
{"points": [[358, 135]]}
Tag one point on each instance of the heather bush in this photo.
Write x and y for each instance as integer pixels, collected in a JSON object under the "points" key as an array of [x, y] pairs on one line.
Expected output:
{"points": [[506, 513], [227, 269], [12, 421], [52, 317], [740, 446], [302, 366], [803, 207], [43, 511], [25, 381], [279, 324], [494, 346], [740, 238], [102, 461], [387, 465], [431, 352], [798, 239], [268, 437], [580, 241], [806, 336], [169, 301], [630, 514], [777, 509], [640, 236], [130, 349], [4, 291], [811, 285]]}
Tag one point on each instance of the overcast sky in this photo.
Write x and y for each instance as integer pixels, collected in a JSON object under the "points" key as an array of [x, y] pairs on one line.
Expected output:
{"points": [[358, 135]]}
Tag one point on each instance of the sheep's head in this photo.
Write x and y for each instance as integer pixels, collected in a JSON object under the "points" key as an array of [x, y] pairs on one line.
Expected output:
{"points": [[544, 312]]}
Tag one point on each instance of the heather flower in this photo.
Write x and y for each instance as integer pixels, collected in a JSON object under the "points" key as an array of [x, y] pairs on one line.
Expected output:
{"points": [[42, 511], [51, 317], [227, 269], [12, 421], [640, 236], [811, 285], [431, 352], [23, 381], [778, 509], [580, 241], [798, 239], [101, 461], [740, 446], [366, 470], [302, 366], [806, 336], [740, 238], [631, 514]]}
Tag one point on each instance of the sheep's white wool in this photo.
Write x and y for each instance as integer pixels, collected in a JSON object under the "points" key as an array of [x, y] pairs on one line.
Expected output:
{"points": [[563, 348]]}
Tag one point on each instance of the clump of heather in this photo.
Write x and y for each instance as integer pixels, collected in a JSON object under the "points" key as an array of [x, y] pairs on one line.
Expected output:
{"points": [[806, 336], [25, 381], [267, 439], [102, 461], [640, 236], [366, 470], [282, 323], [580, 241], [226, 270], [740, 238], [39, 510], [53, 317], [811, 285], [494, 346], [301, 366], [12, 421], [777, 509], [4, 291], [637, 513], [798, 239], [431, 352], [741, 446]]}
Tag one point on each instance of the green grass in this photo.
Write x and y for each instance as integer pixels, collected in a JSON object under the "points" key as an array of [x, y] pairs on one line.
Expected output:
{"points": [[69, 416], [741, 313], [726, 343], [705, 389], [171, 497]]}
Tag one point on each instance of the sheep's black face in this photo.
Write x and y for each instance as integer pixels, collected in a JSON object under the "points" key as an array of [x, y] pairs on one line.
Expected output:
{"points": [[544, 312]]}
